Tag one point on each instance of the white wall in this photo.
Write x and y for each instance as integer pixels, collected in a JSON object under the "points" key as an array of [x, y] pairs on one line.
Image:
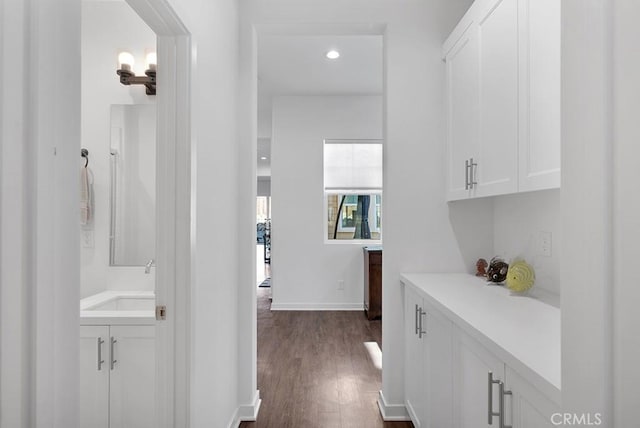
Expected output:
{"points": [[518, 219], [413, 133], [39, 251], [626, 208], [215, 364], [305, 269], [264, 186], [108, 28]]}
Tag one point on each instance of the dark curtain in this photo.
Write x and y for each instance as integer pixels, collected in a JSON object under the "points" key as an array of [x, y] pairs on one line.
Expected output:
{"points": [[362, 218]]}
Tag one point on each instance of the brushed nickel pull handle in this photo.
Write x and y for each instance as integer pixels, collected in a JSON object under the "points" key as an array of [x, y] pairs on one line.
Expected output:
{"points": [[416, 319], [472, 174], [421, 332], [113, 359], [490, 412], [100, 360], [501, 408], [466, 174]]}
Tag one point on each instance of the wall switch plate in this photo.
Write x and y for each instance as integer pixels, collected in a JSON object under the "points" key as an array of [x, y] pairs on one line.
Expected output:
{"points": [[544, 244], [341, 284]]}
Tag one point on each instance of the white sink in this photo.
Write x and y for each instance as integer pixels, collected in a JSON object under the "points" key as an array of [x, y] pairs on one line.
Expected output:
{"points": [[125, 303]]}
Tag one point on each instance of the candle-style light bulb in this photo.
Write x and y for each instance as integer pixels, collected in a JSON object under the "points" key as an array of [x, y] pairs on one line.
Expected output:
{"points": [[125, 61], [152, 61]]}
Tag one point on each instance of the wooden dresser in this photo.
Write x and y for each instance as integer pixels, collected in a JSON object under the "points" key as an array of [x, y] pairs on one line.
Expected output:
{"points": [[373, 282]]}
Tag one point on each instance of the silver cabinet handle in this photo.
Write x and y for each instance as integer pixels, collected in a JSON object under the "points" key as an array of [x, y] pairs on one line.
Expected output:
{"points": [[100, 360], [466, 174], [490, 412], [416, 319], [421, 331], [113, 359], [472, 173], [501, 405]]}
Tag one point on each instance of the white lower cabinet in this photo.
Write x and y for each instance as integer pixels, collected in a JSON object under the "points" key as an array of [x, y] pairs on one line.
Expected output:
{"points": [[117, 376], [453, 380], [490, 393], [474, 368], [529, 408], [428, 350]]}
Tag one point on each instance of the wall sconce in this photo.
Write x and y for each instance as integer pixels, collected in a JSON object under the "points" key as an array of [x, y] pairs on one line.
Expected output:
{"points": [[128, 77]]}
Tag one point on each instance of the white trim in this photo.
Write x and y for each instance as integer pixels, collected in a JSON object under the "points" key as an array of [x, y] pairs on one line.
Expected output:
{"points": [[173, 211], [317, 307], [247, 412], [392, 412]]}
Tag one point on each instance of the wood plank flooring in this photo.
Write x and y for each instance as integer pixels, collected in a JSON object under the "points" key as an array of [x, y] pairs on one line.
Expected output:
{"points": [[315, 371]]}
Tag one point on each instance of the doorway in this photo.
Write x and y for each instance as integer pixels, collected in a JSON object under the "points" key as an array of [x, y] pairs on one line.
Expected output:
{"points": [[170, 262], [298, 109]]}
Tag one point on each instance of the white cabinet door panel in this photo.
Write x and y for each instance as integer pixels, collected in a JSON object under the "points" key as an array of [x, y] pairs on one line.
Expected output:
{"points": [[438, 358], [462, 105], [497, 170], [415, 399], [540, 95], [527, 407], [94, 377], [472, 364]]}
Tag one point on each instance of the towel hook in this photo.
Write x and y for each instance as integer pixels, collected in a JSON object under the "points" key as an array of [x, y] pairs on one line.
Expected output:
{"points": [[85, 154]]}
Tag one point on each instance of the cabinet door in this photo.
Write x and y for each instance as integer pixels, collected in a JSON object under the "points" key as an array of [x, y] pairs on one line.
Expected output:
{"points": [[462, 110], [94, 376], [540, 133], [472, 364], [132, 392], [527, 407], [414, 359], [497, 164], [438, 382]]}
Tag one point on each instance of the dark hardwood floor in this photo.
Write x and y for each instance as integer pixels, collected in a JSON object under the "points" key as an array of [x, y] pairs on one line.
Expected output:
{"points": [[315, 371]]}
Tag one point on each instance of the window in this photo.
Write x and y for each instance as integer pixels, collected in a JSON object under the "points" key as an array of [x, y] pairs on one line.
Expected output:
{"points": [[353, 189]]}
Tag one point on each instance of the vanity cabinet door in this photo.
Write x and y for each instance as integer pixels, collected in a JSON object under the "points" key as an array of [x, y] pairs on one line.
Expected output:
{"points": [[472, 364], [132, 391], [94, 376]]}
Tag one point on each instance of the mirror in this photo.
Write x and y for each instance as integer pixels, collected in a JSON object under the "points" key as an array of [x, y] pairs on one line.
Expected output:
{"points": [[133, 184]]}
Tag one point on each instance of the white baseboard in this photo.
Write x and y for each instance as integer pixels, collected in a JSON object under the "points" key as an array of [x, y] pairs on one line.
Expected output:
{"points": [[317, 306], [392, 412], [247, 412]]}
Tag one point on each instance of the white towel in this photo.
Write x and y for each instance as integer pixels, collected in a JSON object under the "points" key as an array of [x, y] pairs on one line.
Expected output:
{"points": [[86, 184]]}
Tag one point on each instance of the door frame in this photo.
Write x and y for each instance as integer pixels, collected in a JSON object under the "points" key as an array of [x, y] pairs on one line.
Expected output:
{"points": [[173, 210]]}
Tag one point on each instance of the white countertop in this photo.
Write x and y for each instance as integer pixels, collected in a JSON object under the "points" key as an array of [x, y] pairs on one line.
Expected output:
{"points": [[104, 317], [522, 331]]}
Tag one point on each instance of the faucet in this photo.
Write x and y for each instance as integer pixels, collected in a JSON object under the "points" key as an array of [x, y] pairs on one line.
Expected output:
{"points": [[147, 267]]}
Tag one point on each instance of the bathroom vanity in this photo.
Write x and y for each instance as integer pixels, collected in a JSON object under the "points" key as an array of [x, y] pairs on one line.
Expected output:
{"points": [[117, 360]]}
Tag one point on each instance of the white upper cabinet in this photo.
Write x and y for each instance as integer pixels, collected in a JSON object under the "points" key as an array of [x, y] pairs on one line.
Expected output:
{"points": [[503, 99], [540, 131], [497, 166], [463, 104]]}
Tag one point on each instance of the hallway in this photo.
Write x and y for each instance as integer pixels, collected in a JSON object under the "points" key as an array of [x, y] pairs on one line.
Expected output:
{"points": [[314, 369]]}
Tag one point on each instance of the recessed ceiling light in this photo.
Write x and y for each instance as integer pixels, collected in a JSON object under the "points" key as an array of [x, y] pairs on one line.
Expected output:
{"points": [[263, 158], [333, 54]]}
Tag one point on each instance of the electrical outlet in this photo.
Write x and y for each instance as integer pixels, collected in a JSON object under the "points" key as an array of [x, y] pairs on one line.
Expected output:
{"points": [[87, 239], [544, 244], [341, 284]]}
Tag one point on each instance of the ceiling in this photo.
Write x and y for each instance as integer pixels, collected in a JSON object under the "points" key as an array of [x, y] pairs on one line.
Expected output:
{"points": [[297, 65]]}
